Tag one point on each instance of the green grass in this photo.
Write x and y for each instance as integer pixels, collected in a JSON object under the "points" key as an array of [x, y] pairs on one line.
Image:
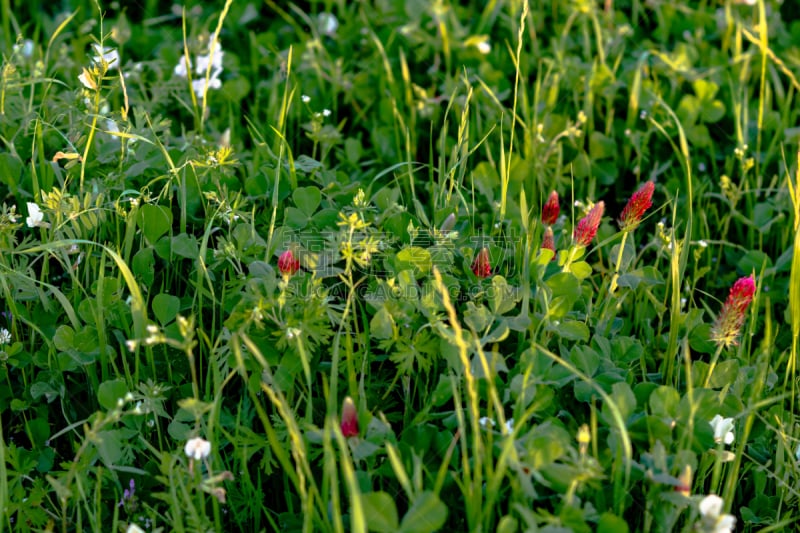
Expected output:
{"points": [[386, 145]]}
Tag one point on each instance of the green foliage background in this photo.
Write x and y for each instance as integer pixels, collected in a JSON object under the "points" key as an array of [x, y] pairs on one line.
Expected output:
{"points": [[147, 308]]}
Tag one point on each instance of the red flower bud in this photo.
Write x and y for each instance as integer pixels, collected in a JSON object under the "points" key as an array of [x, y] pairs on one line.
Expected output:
{"points": [[731, 318], [481, 266], [587, 227], [636, 206], [548, 240], [349, 418], [288, 264], [684, 486], [550, 209]]}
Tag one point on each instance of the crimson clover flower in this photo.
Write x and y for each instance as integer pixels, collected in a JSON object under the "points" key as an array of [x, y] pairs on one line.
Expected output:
{"points": [[587, 226], [550, 210], [639, 202], [349, 418], [288, 264], [725, 331], [482, 267]]}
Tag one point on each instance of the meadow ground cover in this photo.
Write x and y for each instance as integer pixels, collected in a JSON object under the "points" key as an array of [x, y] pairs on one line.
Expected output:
{"points": [[399, 266]]}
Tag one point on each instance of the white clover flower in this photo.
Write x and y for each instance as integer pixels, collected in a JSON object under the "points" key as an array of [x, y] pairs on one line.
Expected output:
{"points": [[35, 217], [510, 425], [723, 429], [5, 336], [109, 55], [326, 112], [133, 528], [713, 520], [485, 422], [305, 98], [484, 47], [197, 448], [131, 345], [328, 23]]}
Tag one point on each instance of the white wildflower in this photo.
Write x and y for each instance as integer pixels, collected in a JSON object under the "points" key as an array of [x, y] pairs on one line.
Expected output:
{"points": [[111, 128], [215, 62], [305, 98], [510, 425], [206, 66], [108, 55], [484, 47], [35, 217], [5, 336], [328, 23], [199, 86], [326, 112], [87, 80], [485, 422], [25, 48], [133, 528], [713, 520], [197, 448], [723, 429], [183, 66]]}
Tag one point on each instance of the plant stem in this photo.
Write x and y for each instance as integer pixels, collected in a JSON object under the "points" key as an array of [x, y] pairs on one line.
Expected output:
{"points": [[712, 365], [613, 287]]}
